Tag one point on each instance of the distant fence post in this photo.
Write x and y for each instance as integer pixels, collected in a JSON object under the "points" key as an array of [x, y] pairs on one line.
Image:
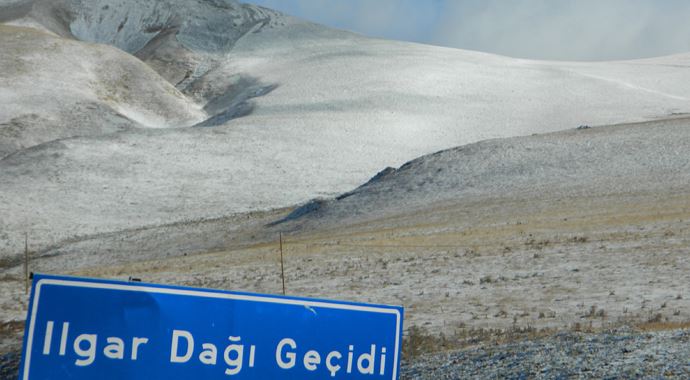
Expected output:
{"points": [[26, 262], [282, 266]]}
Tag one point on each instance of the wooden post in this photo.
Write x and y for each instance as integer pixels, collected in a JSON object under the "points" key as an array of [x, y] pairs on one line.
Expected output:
{"points": [[26, 263], [282, 266]]}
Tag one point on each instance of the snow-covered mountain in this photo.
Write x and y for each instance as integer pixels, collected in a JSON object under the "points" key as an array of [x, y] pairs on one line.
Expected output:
{"points": [[202, 109]]}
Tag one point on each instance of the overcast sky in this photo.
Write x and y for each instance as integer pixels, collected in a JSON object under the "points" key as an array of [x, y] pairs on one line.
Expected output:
{"points": [[542, 29]]}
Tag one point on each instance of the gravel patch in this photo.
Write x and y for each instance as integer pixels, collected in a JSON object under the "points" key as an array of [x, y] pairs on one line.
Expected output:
{"points": [[620, 354]]}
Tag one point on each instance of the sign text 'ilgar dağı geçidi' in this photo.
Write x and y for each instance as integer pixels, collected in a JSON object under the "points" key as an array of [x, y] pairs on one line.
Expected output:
{"points": [[234, 356], [86, 328]]}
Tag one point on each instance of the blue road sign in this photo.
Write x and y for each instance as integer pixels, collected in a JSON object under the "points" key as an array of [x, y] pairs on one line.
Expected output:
{"points": [[95, 329]]}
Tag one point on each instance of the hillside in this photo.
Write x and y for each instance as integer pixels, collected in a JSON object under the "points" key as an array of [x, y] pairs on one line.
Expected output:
{"points": [[548, 231], [291, 111], [103, 91], [614, 161]]}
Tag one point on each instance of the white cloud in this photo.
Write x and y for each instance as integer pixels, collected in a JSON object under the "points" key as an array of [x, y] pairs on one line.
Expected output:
{"points": [[559, 29]]}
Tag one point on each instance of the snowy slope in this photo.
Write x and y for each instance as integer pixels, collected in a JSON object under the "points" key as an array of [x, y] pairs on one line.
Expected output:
{"points": [[53, 88], [323, 110]]}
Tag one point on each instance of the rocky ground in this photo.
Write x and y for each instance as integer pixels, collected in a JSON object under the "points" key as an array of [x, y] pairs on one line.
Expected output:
{"points": [[9, 365], [611, 355]]}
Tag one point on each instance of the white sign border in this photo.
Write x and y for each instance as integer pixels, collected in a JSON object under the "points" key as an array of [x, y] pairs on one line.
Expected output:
{"points": [[203, 294]]}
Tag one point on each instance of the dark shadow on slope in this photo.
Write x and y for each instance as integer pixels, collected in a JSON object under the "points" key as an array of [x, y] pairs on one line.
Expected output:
{"points": [[310, 207], [315, 205], [378, 177], [235, 102], [163, 34]]}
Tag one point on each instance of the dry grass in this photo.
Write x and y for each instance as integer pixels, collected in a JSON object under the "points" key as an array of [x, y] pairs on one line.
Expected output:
{"points": [[11, 327], [11, 336], [654, 325], [487, 270], [475, 273]]}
